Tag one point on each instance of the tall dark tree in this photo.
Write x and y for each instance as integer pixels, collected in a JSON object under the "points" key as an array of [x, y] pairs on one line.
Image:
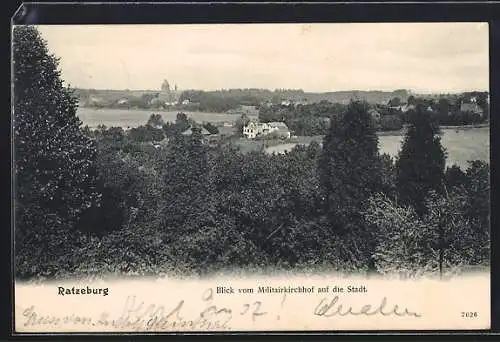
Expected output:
{"points": [[181, 122], [349, 166], [420, 164], [54, 159], [396, 101], [155, 121], [411, 100], [350, 172], [186, 187]]}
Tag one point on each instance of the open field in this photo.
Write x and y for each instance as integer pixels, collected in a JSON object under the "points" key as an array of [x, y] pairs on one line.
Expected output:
{"points": [[127, 118]]}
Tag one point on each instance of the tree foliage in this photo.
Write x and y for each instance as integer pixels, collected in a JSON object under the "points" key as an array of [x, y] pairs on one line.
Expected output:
{"points": [[54, 160], [350, 171], [349, 166], [124, 202], [421, 161]]}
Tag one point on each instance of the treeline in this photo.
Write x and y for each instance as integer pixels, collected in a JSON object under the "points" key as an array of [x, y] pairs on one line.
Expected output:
{"points": [[313, 119], [230, 99], [446, 110], [124, 100], [88, 205], [154, 131], [309, 119]]}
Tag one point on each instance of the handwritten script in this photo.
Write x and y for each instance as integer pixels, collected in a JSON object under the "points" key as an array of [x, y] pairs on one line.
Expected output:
{"points": [[137, 315]]}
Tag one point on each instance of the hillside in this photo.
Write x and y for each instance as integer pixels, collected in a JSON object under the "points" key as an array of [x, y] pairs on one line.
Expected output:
{"points": [[251, 95]]}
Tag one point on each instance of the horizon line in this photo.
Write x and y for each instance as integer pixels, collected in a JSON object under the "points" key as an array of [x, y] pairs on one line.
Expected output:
{"points": [[410, 91]]}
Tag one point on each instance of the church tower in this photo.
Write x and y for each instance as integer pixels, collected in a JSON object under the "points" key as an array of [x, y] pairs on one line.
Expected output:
{"points": [[165, 87]]}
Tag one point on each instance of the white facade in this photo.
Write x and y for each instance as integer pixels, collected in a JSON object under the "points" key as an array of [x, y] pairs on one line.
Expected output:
{"points": [[250, 130], [253, 129]]}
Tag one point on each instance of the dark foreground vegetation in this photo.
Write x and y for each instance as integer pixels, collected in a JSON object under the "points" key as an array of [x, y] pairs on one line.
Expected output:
{"points": [[90, 203]]}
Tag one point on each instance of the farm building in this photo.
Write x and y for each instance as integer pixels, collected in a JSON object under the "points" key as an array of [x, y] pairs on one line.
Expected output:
{"points": [[253, 129], [189, 131]]}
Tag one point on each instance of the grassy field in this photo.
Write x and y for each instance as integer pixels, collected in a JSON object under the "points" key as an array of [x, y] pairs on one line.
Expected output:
{"points": [[132, 118]]}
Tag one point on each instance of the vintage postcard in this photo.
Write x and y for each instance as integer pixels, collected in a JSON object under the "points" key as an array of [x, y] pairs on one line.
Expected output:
{"points": [[251, 177]]}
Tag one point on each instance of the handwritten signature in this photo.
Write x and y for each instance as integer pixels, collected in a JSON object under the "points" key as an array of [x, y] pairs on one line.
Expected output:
{"points": [[332, 308]]}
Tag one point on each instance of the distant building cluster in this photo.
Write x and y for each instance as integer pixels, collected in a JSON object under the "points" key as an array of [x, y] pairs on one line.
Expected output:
{"points": [[471, 106], [404, 107], [167, 95], [254, 129]]}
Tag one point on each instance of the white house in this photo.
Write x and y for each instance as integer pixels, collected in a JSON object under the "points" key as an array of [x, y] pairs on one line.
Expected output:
{"points": [[407, 107], [253, 129], [279, 128]]}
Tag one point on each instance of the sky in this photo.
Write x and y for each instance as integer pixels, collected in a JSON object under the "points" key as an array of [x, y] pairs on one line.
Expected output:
{"points": [[423, 57]]}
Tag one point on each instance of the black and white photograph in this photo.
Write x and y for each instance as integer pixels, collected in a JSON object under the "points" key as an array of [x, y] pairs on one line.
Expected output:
{"points": [[222, 153]]}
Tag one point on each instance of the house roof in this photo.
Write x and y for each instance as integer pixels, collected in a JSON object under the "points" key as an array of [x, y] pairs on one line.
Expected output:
{"points": [[226, 130], [472, 107], [189, 131], [281, 126], [278, 124], [406, 107]]}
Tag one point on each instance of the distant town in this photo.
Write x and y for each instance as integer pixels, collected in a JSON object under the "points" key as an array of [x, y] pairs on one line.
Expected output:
{"points": [[287, 113]]}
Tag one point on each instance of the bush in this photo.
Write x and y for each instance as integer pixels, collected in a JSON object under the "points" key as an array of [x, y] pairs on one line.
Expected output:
{"points": [[441, 242]]}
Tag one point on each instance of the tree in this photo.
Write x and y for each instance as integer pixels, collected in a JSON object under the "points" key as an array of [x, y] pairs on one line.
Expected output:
{"points": [[54, 159], [421, 161], [455, 177], [443, 109], [241, 122], [395, 102], [182, 122], [148, 97], [349, 165], [211, 128], [390, 123], [140, 134], [411, 100], [185, 187], [350, 172], [478, 189], [438, 242]]}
